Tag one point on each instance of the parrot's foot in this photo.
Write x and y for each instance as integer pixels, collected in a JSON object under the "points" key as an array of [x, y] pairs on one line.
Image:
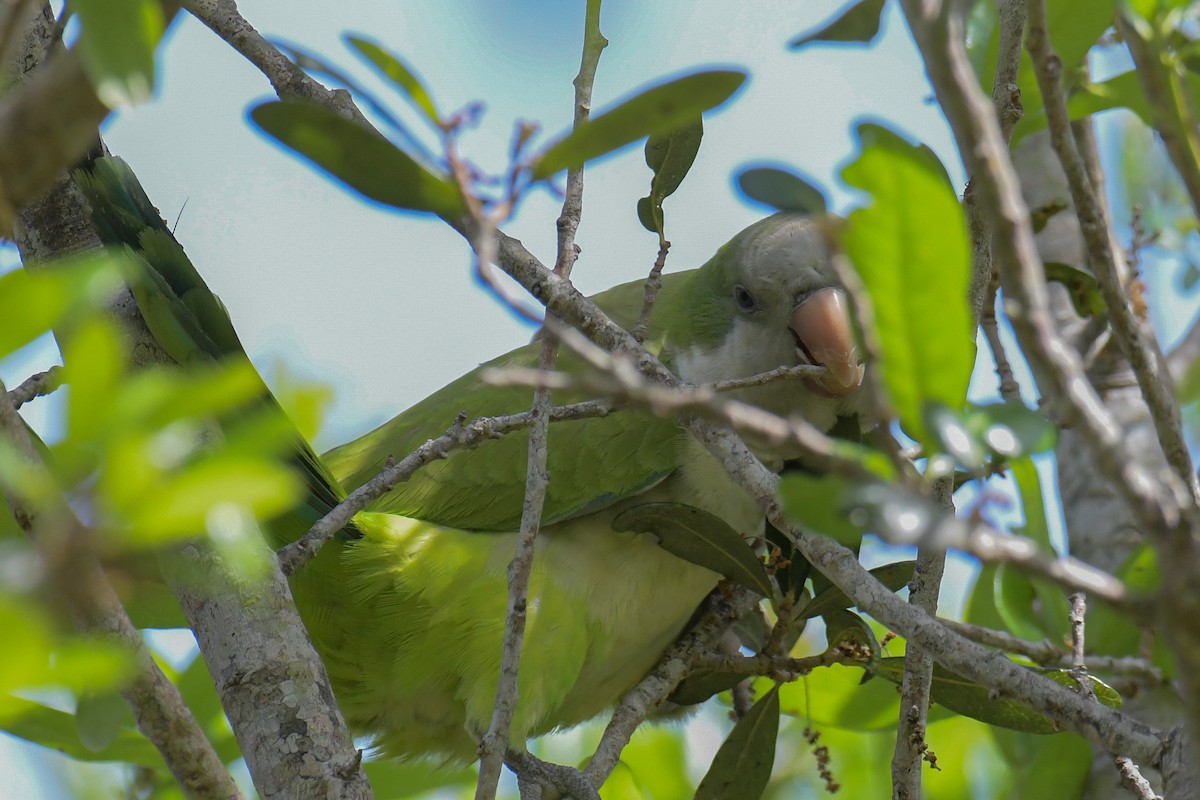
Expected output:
{"points": [[535, 777]]}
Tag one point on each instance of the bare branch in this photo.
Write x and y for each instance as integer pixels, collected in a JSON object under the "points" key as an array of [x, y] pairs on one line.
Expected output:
{"points": [[39, 385]]}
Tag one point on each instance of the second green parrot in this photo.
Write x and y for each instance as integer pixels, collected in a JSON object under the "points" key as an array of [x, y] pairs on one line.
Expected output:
{"points": [[407, 605]]}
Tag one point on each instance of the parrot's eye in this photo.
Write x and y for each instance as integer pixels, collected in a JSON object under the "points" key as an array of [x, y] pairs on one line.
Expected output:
{"points": [[743, 298]]}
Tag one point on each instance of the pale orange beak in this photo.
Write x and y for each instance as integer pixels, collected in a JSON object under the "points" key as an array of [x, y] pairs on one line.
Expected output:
{"points": [[825, 337]]}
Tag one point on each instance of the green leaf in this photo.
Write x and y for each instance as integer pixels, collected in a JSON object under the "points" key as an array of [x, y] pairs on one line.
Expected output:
{"points": [[976, 701], [391, 67], [894, 576], [93, 362], [99, 718], [1011, 430], [818, 502], [32, 303], [359, 158], [951, 435], [850, 633], [858, 23], [697, 688], [669, 157], [1082, 287], [791, 580], [742, 766], [699, 537], [656, 111], [117, 39], [781, 189], [911, 250], [57, 730]]}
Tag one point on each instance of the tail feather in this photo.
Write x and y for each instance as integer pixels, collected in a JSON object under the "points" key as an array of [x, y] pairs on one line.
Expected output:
{"points": [[183, 314]]}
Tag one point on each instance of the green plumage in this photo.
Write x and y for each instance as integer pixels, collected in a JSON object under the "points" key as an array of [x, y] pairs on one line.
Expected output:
{"points": [[407, 609]]}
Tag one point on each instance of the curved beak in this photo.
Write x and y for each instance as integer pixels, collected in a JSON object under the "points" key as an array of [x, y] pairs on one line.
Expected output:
{"points": [[825, 337]]}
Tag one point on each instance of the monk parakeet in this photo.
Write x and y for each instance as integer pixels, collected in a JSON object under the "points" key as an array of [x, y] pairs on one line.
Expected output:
{"points": [[407, 605]]}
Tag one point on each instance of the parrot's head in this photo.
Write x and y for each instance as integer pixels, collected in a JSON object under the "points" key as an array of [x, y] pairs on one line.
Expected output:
{"points": [[769, 298]]}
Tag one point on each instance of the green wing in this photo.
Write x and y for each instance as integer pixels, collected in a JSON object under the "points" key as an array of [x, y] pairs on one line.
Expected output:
{"points": [[592, 462], [182, 313]]}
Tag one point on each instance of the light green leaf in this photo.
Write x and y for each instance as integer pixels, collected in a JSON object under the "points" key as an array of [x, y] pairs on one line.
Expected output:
{"points": [[99, 717], [699, 537], [117, 39], [818, 502], [742, 766], [656, 111], [781, 189], [396, 71], [57, 730], [858, 23], [911, 250], [32, 303], [360, 159]]}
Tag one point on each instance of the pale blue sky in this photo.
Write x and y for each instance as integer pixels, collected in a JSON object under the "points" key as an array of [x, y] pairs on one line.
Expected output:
{"points": [[382, 306]]}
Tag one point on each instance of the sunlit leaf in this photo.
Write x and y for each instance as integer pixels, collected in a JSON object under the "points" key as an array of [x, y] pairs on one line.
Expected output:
{"points": [[910, 248], [742, 766], [117, 39], [360, 159], [781, 189], [699, 537], [658, 110], [858, 23]]}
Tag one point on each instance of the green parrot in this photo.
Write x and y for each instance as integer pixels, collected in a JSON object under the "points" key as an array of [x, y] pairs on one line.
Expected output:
{"points": [[407, 605]]}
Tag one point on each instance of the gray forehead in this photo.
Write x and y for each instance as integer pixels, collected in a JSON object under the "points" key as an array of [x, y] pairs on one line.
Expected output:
{"points": [[786, 250]]}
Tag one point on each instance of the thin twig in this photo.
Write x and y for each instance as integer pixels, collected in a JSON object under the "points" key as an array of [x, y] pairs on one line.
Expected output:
{"points": [[650, 292], [1079, 668], [494, 744], [1131, 779]]}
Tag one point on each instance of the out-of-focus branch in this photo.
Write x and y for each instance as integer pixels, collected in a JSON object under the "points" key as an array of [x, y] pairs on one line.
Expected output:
{"points": [[65, 547], [1139, 348], [39, 385]]}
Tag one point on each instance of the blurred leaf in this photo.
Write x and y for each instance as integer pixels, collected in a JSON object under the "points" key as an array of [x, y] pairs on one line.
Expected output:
{"points": [[894, 576], [1190, 277], [93, 364], [910, 248], [699, 537], [394, 779], [949, 432], [669, 156], [32, 303], [187, 502], [656, 111], [657, 758], [359, 158], [1039, 217], [1085, 293], [99, 718], [117, 39], [1044, 768], [858, 23], [781, 189], [742, 766], [817, 502], [977, 702], [57, 730], [391, 67], [1011, 430]]}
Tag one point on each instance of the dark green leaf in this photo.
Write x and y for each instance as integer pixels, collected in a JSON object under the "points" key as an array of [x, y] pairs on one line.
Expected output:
{"points": [[781, 189], [1085, 294], [699, 537], [791, 579], [360, 159], [396, 71], [894, 576], [670, 156], [975, 700], [742, 767], [858, 23], [655, 111], [699, 687], [910, 248], [852, 635], [117, 39]]}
